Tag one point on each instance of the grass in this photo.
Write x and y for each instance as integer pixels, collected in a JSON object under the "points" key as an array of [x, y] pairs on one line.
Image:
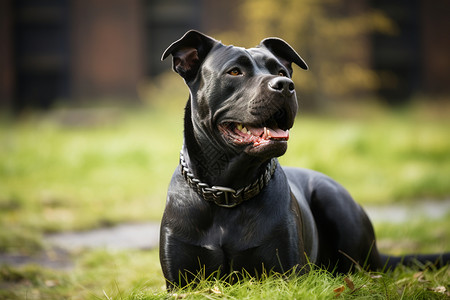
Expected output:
{"points": [[95, 274], [56, 176], [134, 275], [317, 284], [86, 168], [417, 236]]}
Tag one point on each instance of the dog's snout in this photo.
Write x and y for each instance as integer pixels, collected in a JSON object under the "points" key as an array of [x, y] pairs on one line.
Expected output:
{"points": [[282, 85]]}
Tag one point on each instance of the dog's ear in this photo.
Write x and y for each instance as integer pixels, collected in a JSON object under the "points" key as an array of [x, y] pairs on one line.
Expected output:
{"points": [[284, 52], [189, 52]]}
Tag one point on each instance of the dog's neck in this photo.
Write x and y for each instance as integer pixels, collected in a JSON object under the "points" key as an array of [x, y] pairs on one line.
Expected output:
{"points": [[215, 165]]}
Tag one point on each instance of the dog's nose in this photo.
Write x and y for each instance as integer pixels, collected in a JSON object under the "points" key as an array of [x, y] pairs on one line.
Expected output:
{"points": [[282, 85]]}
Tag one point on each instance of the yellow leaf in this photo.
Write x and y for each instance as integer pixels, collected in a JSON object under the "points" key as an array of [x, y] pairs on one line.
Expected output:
{"points": [[339, 290]]}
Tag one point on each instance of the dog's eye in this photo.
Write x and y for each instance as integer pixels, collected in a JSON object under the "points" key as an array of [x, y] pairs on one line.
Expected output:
{"points": [[235, 72], [282, 73]]}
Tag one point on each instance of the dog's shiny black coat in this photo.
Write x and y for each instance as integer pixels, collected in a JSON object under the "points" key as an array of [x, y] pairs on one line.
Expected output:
{"points": [[301, 216]]}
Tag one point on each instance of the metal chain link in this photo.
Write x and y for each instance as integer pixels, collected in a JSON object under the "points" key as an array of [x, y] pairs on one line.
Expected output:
{"points": [[224, 196]]}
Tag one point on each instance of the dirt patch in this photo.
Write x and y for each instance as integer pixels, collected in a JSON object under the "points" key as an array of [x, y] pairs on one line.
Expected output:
{"points": [[125, 236], [401, 213], [60, 245], [53, 258]]}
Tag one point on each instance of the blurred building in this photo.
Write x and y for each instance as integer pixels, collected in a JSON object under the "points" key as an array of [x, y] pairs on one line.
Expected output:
{"points": [[79, 50], [418, 55]]}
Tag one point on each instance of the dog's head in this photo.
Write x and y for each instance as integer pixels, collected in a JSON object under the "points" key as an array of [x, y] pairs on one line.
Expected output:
{"points": [[241, 99]]}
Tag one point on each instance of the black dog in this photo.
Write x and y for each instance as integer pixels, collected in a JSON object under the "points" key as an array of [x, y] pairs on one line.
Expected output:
{"points": [[230, 205]]}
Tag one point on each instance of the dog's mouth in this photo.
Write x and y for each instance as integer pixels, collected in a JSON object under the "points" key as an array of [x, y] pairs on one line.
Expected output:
{"points": [[250, 134], [267, 132]]}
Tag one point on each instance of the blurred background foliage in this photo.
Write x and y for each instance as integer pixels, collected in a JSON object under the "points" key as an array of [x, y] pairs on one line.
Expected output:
{"points": [[88, 53], [331, 37]]}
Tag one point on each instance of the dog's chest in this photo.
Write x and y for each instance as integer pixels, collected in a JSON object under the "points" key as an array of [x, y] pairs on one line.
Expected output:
{"points": [[235, 233]]}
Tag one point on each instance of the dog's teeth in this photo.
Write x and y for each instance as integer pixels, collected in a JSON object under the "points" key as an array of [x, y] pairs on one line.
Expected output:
{"points": [[242, 128], [265, 134]]}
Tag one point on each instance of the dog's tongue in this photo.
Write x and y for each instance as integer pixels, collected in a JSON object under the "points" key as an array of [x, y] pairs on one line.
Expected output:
{"points": [[278, 133], [269, 133]]}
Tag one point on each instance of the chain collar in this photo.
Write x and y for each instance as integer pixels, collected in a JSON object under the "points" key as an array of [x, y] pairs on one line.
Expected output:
{"points": [[224, 196]]}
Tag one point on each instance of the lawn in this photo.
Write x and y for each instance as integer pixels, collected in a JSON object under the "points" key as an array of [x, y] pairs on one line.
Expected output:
{"points": [[78, 169]]}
